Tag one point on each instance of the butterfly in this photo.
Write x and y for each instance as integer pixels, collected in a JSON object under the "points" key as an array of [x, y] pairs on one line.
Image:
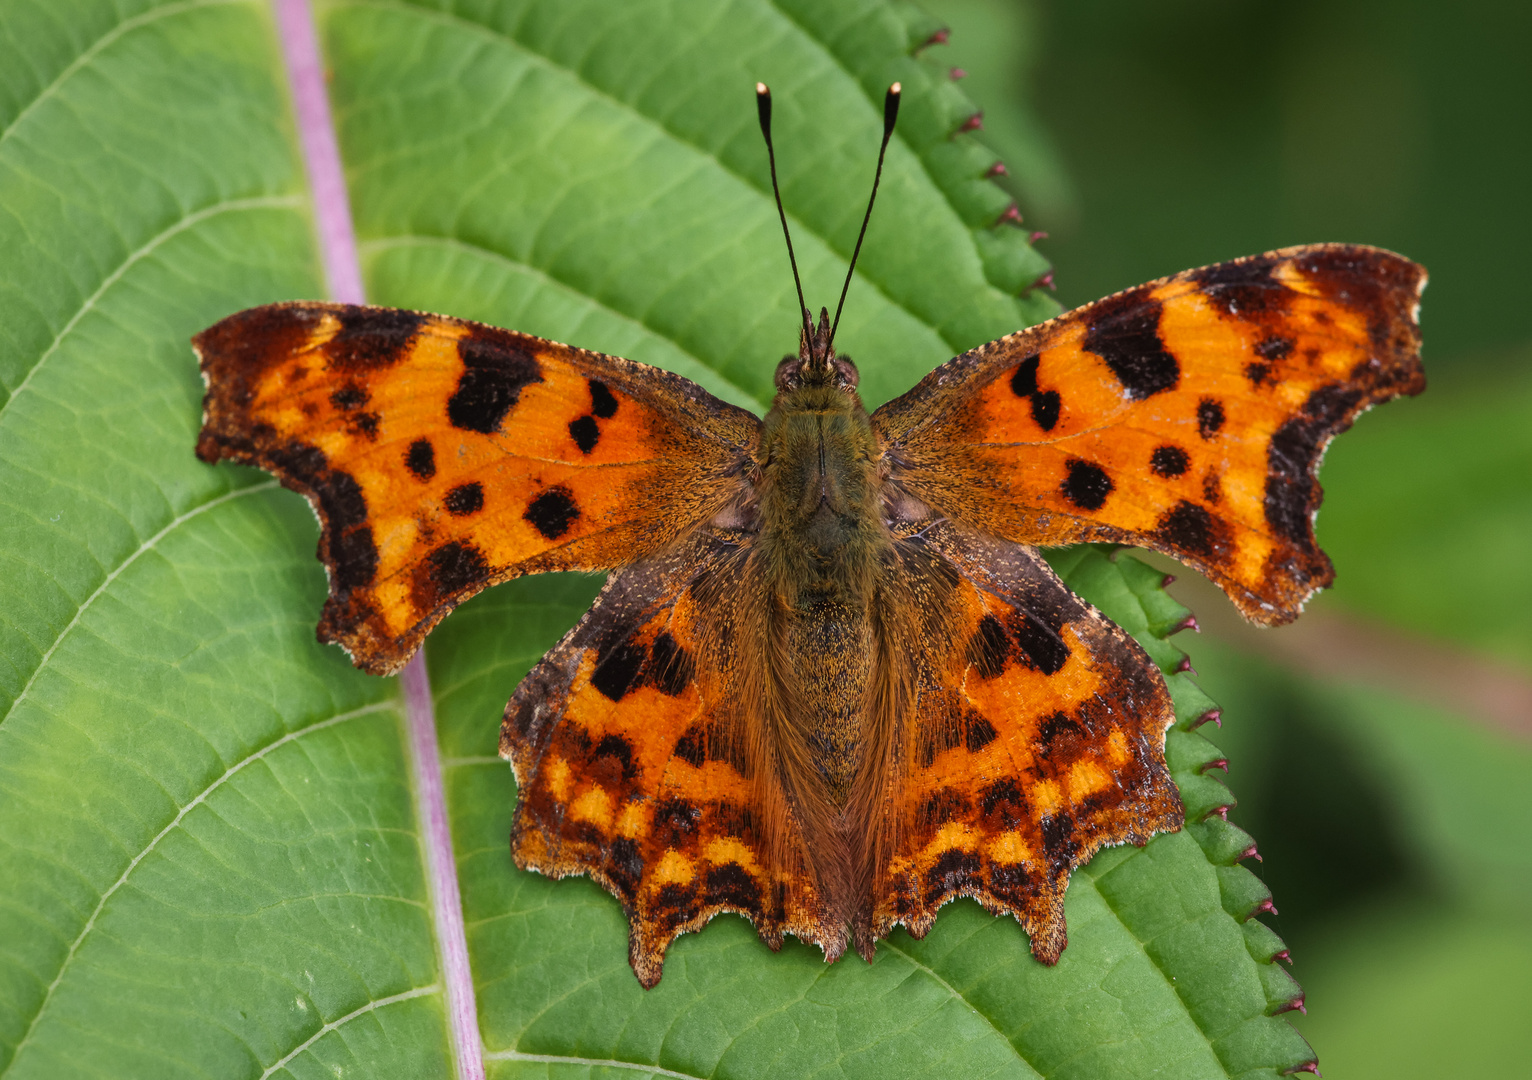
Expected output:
{"points": [[830, 683]]}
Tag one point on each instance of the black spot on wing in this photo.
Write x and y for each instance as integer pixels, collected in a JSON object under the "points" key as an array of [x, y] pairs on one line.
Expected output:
{"points": [[602, 403], [1002, 802], [691, 747], [670, 666], [617, 749], [618, 669], [1024, 381], [952, 870], [624, 865], [355, 558], [371, 338], [1042, 646], [1124, 331], [1045, 403], [1045, 409], [302, 462], [349, 397], [937, 739], [730, 884], [585, 433], [352, 555], [420, 459], [1244, 288], [494, 374], [1257, 373], [942, 806], [1059, 843], [1190, 528], [342, 498], [453, 567], [1087, 485], [552, 512], [1274, 347], [1291, 492], [1209, 417], [674, 905], [978, 733], [1011, 882], [1058, 733], [675, 820], [989, 647], [465, 499], [1168, 461]]}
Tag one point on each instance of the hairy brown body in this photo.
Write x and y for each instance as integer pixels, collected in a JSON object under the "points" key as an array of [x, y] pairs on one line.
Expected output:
{"points": [[823, 549]]}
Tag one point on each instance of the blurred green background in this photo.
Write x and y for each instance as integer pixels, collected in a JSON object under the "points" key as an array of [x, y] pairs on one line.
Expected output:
{"points": [[1382, 746]]}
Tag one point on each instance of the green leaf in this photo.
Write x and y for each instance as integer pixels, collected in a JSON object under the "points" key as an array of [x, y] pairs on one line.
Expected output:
{"points": [[208, 833]]}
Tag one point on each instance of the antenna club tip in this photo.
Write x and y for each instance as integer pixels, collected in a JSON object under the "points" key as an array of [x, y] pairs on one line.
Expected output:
{"points": [[762, 90], [896, 89]]}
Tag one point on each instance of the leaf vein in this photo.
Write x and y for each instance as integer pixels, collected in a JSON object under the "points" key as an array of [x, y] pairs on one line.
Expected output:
{"points": [[596, 1063], [945, 985], [98, 46], [421, 991], [180, 226], [146, 546]]}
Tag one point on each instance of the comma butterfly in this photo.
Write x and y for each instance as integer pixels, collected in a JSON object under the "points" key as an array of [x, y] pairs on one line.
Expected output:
{"points": [[830, 684]]}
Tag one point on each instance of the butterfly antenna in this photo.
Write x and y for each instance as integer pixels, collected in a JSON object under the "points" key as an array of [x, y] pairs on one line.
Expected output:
{"points": [[890, 114], [763, 109]]}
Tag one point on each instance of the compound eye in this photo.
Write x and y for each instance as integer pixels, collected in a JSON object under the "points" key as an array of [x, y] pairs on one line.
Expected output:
{"points": [[787, 372]]}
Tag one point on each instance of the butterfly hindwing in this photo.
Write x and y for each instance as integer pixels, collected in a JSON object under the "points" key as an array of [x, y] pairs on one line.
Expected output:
{"points": [[443, 455], [1188, 415], [635, 764], [1038, 738]]}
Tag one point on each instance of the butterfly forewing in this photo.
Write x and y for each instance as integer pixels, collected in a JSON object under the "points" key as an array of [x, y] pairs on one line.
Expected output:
{"points": [[443, 455], [1188, 415]]}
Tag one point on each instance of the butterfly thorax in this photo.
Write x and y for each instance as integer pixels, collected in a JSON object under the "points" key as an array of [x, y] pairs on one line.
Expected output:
{"points": [[819, 496]]}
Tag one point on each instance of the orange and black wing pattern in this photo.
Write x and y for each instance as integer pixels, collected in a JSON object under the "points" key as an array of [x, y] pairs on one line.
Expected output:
{"points": [[1188, 415], [1037, 739], [635, 762], [443, 455]]}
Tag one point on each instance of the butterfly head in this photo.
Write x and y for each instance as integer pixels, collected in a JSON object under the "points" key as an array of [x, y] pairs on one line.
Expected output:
{"points": [[816, 363]]}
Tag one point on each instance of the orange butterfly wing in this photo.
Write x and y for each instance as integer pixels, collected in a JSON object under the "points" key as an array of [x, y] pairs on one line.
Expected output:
{"points": [[635, 764], [443, 455], [1037, 739], [1188, 415]]}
